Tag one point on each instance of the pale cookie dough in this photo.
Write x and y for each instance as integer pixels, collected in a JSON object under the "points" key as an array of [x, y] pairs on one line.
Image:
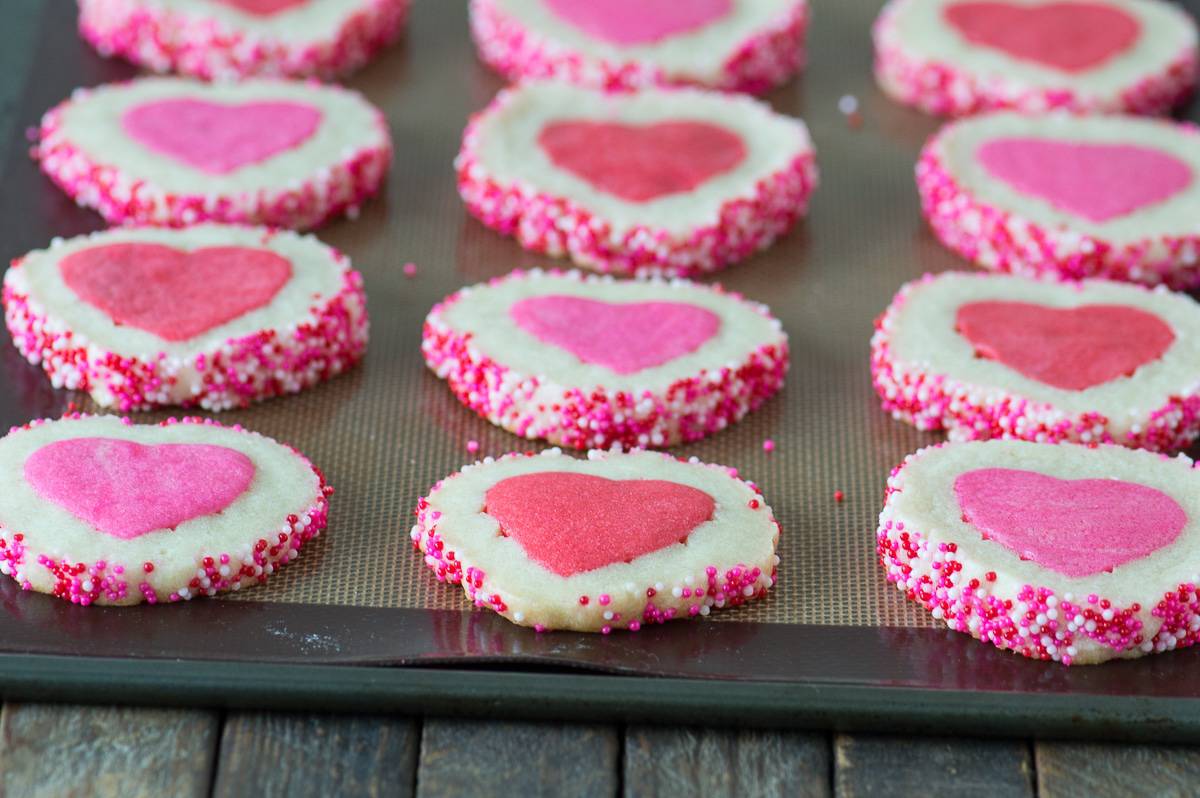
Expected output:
{"points": [[956, 57], [100, 511], [679, 181], [589, 362], [1066, 553], [231, 39], [213, 316], [171, 151], [616, 541], [1068, 196], [742, 45], [994, 356]]}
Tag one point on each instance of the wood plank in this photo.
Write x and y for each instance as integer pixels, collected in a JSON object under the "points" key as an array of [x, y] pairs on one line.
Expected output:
{"points": [[486, 758], [62, 751], [886, 765], [316, 755], [704, 761], [1096, 770]]}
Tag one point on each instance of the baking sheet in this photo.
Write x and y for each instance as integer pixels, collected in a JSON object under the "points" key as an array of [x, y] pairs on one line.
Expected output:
{"points": [[388, 430]]}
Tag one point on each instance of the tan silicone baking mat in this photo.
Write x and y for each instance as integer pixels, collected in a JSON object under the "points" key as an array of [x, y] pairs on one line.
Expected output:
{"points": [[386, 432]]}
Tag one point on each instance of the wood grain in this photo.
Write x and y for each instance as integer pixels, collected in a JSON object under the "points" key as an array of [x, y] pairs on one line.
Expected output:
{"points": [[704, 761], [316, 755], [1098, 770], [484, 758], [62, 751], [887, 765]]}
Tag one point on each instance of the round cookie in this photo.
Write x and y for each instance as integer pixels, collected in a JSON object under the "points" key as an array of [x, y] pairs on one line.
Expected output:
{"points": [[230, 39], [171, 151], [100, 511], [1068, 196], [1065, 553], [682, 181], [956, 57], [993, 356], [740, 45], [616, 541], [212, 316], [589, 362]]}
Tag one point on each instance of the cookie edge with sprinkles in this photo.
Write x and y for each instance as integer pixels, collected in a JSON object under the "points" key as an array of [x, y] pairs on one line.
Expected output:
{"points": [[164, 40], [765, 60], [942, 89], [558, 227], [108, 583], [629, 609], [1031, 620], [234, 373], [301, 204], [931, 401], [508, 399]]}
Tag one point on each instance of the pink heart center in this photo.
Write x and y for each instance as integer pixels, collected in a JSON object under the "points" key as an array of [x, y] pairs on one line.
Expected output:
{"points": [[625, 338], [173, 294], [571, 523], [629, 22], [127, 489], [264, 8], [1067, 36], [642, 163], [1069, 348], [217, 138], [1076, 527], [1096, 181]]}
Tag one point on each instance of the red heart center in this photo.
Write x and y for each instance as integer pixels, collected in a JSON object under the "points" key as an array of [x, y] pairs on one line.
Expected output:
{"points": [[1096, 181], [642, 163], [625, 337], [218, 138], [264, 8], [1069, 348], [173, 294], [127, 489], [1076, 527], [1068, 36], [571, 523], [629, 22]]}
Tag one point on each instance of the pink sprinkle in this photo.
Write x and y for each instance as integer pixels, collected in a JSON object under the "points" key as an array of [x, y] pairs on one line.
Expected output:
{"points": [[410, 269], [472, 446], [768, 445]]}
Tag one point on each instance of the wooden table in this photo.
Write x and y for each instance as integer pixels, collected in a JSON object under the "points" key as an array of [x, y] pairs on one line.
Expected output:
{"points": [[53, 750]]}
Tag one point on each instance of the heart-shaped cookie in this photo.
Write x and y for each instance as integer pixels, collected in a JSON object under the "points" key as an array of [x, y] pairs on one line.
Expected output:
{"points": [[588, 362], [219, 138], [1077, 554], [617, 541], [1077, 527], [171, 293], [631, 22], [571, 523], [1099, 182], [264, 8], [1067, 36], [127, 489], [103, 511], [640, 163], [624, 337], [1069, 348]]}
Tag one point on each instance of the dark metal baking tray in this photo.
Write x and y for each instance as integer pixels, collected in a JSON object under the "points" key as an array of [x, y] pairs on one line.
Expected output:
{"points": [[834, 646]]}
